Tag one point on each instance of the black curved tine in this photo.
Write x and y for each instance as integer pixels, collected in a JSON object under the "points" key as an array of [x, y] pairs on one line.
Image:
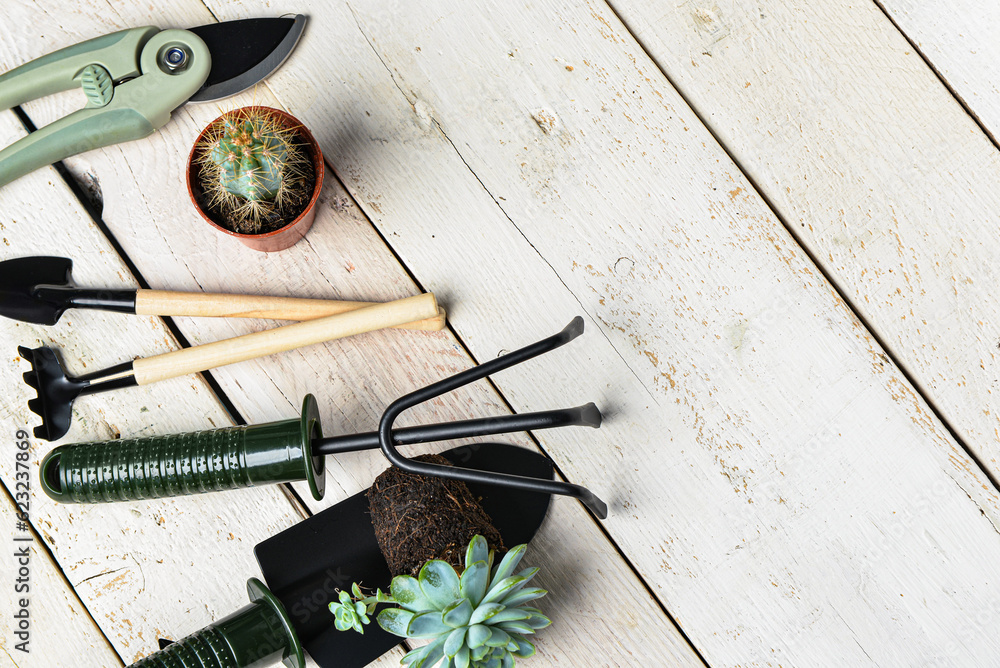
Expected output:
{"points": [[529, 484], [587, 415]]}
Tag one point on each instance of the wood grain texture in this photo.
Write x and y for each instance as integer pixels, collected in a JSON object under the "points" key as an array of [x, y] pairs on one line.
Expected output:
{"points": [[61, 630], [282, 339], [958, 39], [777, 482], [198, 304], [874, 166], [344, 258], [144, 570]]}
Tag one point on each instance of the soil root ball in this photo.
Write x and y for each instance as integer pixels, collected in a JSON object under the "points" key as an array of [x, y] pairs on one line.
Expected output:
{"points": [[418, 518]]}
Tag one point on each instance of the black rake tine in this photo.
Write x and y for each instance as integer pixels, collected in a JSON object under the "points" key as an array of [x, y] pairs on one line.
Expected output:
{"points": [[35, 405], [57, 390], [526, 483]]}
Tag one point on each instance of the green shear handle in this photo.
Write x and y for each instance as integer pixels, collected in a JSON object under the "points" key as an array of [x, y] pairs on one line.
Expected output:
{"points": [[133, 80]]}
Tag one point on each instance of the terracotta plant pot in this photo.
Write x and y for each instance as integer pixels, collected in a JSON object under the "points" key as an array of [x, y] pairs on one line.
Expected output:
{"points": [[292, 232]]}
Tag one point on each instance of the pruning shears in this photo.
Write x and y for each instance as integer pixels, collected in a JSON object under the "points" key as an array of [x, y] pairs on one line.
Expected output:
{"points": [[133, 79]]}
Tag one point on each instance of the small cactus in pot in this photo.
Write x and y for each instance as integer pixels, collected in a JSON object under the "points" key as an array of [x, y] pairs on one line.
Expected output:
{"points": [[254, 171]]}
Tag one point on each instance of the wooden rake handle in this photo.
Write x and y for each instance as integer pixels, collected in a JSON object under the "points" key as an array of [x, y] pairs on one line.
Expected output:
{"points": [[259, 344], [168, 303]]}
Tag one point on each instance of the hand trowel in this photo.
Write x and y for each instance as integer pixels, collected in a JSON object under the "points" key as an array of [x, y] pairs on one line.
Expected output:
{"points": [[306, 565]]}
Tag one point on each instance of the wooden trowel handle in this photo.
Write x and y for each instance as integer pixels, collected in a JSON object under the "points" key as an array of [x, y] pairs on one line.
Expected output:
{"points": [[165, 302], [249, 346]]}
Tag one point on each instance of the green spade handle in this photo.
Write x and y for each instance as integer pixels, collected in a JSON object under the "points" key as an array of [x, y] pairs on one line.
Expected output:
{"points": [[255, 636], [181, 464], [115, 112]]}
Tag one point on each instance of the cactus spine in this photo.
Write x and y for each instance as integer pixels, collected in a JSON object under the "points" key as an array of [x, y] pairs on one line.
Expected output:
{"points": [[253, 168]]}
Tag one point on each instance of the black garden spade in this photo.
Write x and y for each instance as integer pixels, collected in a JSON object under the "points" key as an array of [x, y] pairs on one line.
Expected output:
{"points": [[305, 566], [38, 289]]}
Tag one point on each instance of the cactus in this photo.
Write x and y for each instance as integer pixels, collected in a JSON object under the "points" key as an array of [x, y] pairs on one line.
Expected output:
{"points": [[253, 169]]}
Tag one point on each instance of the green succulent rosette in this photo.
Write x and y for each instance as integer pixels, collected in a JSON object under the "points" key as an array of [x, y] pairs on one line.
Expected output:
{"points": [[479, 619]]}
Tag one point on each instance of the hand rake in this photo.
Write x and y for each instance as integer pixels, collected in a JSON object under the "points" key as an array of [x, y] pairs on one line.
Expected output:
{"points": [[57, 390]]}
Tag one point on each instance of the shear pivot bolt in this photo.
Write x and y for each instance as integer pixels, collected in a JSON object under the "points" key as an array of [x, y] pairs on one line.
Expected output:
{"points": [[175, 58]]}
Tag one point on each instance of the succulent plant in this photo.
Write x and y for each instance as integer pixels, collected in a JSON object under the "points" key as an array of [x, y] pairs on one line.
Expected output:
{"points": [[352, 613], [478, 619], [252, 167]]}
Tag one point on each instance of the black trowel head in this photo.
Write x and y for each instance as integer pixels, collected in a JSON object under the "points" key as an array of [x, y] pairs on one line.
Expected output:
{"points": [[306, 565], [20, 277]]}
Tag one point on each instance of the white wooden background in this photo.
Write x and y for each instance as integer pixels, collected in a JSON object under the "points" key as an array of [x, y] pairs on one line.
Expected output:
{"points": [[776, 217]]}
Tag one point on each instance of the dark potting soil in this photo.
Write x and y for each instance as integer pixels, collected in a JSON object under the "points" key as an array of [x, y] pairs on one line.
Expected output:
{"points": [[418, 518]]}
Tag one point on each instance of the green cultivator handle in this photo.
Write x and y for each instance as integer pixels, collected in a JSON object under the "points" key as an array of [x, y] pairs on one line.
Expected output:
{"points": [[290, 450], [159, 466], [258, 635]]}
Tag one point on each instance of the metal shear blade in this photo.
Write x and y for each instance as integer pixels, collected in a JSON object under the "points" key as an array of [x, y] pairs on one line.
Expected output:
{"points": [[238, 64]]}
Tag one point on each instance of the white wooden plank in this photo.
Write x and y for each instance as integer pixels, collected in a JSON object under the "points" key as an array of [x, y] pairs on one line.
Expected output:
{"points": [[354, 380], [784, 490], [144, 570], [959, 41], [61, 632], [872, 163]]}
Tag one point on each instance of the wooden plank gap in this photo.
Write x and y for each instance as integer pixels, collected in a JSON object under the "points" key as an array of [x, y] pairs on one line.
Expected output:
{"points": [[96, 215], [820, 268], [300, 504], [296, 500], [938, 73], [42, 546]]}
